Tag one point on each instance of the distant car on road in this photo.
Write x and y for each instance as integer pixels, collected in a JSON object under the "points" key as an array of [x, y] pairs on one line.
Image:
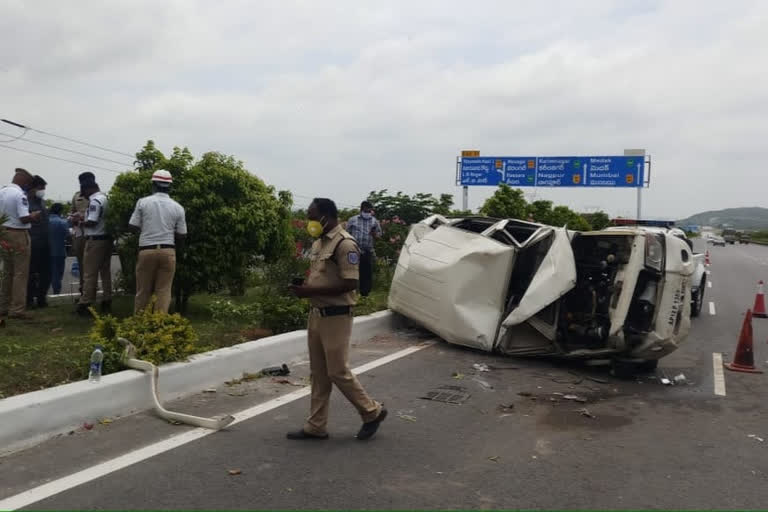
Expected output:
{"points": [[729, 235], [744, 238], [717, 240]]}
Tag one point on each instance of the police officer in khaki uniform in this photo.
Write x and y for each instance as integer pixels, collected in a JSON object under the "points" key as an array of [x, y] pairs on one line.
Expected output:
{"points": [[77, 218], [14, 206], [162, 224], [97, 257], [331, 288]]}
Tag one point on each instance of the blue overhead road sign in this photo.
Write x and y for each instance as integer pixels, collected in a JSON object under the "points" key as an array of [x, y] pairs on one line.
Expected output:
{"points": [[546, 171]]}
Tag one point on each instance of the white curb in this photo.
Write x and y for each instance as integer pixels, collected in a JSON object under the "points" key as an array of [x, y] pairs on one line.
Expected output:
{"points": [[28, 419]]}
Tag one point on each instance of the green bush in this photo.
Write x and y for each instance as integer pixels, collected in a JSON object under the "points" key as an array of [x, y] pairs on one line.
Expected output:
{"points": [[158, 337]]}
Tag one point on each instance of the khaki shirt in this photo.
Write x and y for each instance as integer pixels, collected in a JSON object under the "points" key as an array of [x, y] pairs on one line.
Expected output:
{"points": [[79, 205], [327, 270]]}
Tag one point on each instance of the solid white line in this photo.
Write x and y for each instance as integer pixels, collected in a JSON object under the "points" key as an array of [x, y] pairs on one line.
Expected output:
{"points": [[66, 483], [717, 366], [709, 284], [711, 308]]}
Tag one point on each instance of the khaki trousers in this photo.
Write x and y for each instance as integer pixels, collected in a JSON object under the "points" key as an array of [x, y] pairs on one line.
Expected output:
{"points": [[15, 272], [78, 247], [154, 274], [328, 339], [97, 261]]}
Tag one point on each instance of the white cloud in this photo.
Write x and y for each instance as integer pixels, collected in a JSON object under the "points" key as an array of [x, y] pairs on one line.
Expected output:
{"points": [[341, 98]]}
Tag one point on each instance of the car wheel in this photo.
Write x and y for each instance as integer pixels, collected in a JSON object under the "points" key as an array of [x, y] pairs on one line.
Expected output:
{"points": [[697, 299]]}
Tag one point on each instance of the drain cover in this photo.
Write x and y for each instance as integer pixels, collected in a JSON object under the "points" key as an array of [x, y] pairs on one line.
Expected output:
{"points": [[448, 395]]}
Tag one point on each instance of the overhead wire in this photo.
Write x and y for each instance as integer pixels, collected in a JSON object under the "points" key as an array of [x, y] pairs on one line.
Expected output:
{"points": [[67, 150], [76, 141], [61, 159]]}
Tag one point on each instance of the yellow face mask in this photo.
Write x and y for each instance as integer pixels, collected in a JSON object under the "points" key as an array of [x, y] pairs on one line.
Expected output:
{"points": [[314, 228]]}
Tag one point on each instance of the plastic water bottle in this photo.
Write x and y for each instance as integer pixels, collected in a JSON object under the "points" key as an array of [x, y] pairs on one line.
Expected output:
{"points": [[75, 269], [97, 357]]}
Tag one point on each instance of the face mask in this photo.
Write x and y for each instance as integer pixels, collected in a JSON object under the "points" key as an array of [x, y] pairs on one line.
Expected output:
{"points": [[314, 228], [40, 194], [366, 215]]}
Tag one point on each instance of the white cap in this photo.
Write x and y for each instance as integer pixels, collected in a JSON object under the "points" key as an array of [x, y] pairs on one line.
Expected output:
{"points": [[162, 176]]}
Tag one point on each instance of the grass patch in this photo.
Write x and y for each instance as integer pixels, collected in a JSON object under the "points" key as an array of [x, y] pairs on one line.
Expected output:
{"points": [[54, 347]]}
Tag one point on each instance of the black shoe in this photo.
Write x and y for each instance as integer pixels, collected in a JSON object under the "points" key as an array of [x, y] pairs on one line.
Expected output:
{"points": [[42, 303], [369, 429], [106, 307], [303, 434]]}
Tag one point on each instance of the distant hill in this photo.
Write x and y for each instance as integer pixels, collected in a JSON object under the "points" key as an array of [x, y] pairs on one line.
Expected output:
{"points": [[737, 218]]}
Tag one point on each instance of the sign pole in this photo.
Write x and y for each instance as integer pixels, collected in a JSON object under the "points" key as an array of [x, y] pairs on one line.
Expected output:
{"points": [[640, 153], [464, 189], [465, 198]]}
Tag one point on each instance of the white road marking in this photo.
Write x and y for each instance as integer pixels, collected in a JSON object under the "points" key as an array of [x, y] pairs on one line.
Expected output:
{"points": [[66, 483], [711, 308], [717, 366], [709, 284]]}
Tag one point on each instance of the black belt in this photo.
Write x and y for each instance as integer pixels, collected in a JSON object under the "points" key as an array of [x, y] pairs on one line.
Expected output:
{"points": [[99, 237], [156, 246], [334, 310]]}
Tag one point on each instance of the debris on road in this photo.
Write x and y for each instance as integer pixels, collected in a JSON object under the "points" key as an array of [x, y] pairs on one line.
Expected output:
{"points": [[753, 436], [495, 458], [575, 398], [506, 408], [585, 412], [106, 421], [407, 417], [234, 472], [481, 367], [237, 393], [457, 375], [87, 426], [680, 379], [276, 371], [525, 393], [483, 384], [666, 381], [209, 390]]}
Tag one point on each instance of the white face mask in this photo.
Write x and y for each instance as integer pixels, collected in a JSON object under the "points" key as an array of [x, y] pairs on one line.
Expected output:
{"points": [[366, 215], [40, 194]]}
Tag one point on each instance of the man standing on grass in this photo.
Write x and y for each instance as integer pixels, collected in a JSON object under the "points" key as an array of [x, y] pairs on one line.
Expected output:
{"points": [[330, 289], [365, 229], [97, 258], [14, 206], [40, 257], [163, 226], [77, 219]]}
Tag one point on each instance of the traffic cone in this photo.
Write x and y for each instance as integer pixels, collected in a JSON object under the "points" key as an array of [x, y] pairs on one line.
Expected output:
{"points": [[706, 258], [759, 309], [744, 360]]}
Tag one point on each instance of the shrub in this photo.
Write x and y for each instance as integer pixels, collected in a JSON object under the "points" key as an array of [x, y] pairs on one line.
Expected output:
{"points": [[158, 337]]}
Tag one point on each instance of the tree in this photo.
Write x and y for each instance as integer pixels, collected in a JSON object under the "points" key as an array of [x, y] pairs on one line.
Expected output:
{"points": [[233, 218], [506, 202], [410, 209], [564, 216], [598, 220]]}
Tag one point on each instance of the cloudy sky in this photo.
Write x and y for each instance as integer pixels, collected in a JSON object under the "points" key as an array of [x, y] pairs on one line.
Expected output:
{"points": [[339, 98]]}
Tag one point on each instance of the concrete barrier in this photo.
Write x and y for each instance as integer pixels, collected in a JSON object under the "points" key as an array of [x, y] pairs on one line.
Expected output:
{"points": [[30, 418]]}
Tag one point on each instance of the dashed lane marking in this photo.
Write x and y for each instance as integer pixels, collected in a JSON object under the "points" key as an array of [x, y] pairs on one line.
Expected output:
{"points": [[717, 366], [709, 284], [711, 308]]}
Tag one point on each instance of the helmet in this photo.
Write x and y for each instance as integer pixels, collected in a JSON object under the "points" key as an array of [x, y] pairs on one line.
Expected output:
{"points": [[162, 177]]}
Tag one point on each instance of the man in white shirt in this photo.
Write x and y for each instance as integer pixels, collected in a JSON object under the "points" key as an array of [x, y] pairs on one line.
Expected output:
{"points": [[97, 258], [15, 246], [162, 224]]}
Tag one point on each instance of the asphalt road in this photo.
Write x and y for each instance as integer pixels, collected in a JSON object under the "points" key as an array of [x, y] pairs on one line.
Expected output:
{"points": [[646, 445]]}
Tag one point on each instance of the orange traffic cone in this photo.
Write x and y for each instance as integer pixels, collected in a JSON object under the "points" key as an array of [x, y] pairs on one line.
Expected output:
{"points": [[759, 309], [744, 360], [706, 258]]}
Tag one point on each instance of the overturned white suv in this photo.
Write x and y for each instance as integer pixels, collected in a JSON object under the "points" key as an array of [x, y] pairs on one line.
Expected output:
{"points": [[520, 288]]}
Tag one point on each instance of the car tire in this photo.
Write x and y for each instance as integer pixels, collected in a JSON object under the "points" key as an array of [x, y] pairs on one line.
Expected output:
{"points": [[697, 298]]}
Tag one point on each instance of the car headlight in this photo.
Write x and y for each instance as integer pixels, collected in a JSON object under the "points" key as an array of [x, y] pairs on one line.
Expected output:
{"points": [[654, 252]]}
